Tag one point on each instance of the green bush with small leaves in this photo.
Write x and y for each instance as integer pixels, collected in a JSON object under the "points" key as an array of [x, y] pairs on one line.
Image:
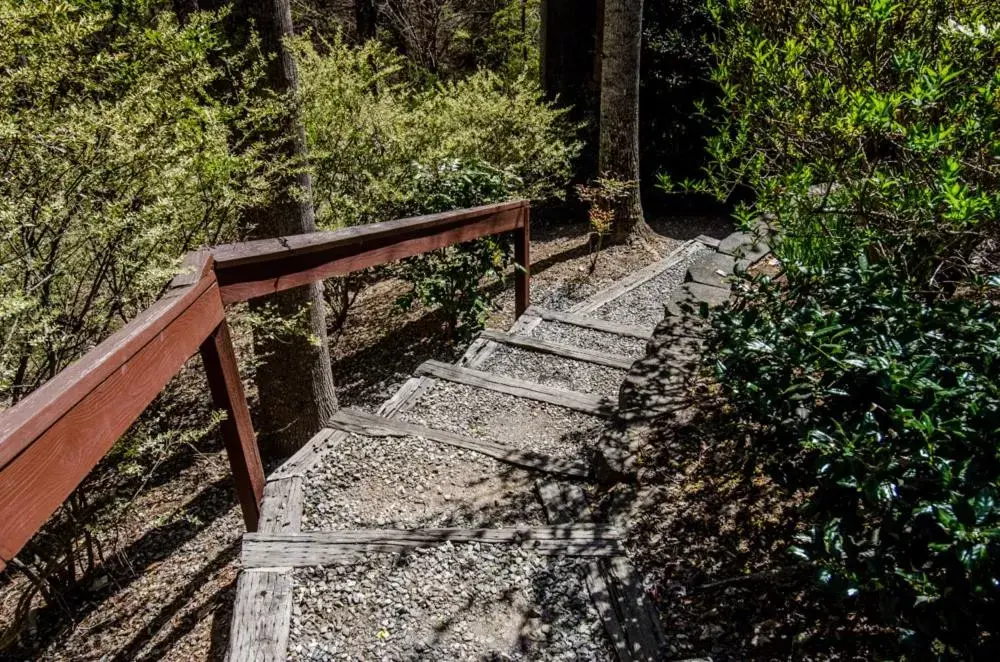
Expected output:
{"points": [[383, 146]]}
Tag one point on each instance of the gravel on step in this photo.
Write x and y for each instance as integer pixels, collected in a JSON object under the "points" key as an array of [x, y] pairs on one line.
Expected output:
{"points": [[470, 602], [505, 419], [579, 336], [408, 482], [555, 371], [643, 306]]}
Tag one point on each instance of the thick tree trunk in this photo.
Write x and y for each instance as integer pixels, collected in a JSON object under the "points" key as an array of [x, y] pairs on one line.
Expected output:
{"points": [[619, 158], [294, 376], [365, 19]]}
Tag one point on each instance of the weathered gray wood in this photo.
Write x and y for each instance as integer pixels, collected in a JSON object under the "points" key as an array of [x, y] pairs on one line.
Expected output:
{"points": [[600, 594], [306, 457], [261, 616], [629, 616], [588, 322], [711, 242], [357, 422], [281, 508], [564, 503], [585, 402], [559, 349], [326, 547], [635, 280]]}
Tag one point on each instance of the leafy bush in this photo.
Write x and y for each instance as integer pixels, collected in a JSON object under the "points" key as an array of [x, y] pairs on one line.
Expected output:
{"points": [[889, 405], [384, 147], [116, 161], [897, 103]]}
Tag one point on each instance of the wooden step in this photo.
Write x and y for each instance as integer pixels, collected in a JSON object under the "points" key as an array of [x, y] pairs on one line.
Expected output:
{"points": [[559, 349], [298, 550], [630, 618], [357, 422], [585, 402], [588, 322]]}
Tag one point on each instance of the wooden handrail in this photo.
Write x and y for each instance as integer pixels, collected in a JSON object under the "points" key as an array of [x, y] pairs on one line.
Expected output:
{"points": [[53, 438]]}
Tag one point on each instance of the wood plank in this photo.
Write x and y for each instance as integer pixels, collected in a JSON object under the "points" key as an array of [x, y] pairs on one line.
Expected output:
{"points": [[481, 349], [522, 266], [588, 322], [261, 616], [325, 547], [585, 402], [633, 281], [281, 507], [308, 455], [21, 424], [54, 461], [228, 256], [559, 349], [378, 426], [224, 382], [629, 616], [283, 267]]}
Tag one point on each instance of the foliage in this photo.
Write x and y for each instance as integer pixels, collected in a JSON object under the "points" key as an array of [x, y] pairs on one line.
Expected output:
{"points": [[116, 161], [889, 404], [867, 133], [604, 196], [383, 147], [677, 95], [897, 103]]}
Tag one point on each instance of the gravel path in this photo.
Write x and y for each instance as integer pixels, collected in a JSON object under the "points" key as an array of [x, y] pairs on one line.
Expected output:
{"points": [[579, 336], [643, 306], [555, 371], [470, 602], [504, 419], [407, 482]]}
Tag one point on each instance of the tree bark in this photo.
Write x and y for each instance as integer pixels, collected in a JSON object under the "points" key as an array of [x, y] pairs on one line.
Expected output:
{"points": [[619, 150], [365, 19], [294, 375]]}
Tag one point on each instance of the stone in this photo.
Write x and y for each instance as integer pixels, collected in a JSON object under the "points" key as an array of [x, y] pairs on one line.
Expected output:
{"points": [[688, 299], [744, 245], [714, 270]]}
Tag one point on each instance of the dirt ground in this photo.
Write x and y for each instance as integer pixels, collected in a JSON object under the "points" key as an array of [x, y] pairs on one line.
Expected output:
{"points": [[166, 586]]}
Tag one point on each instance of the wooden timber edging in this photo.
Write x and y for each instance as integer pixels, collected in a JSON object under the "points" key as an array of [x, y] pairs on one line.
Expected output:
{"points": [[364, 424], [51, 439], [559, 349], [585, 402], [327, 547], [588, 322]]}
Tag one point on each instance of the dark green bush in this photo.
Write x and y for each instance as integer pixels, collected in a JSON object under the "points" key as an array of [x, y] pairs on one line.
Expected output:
{"points": [[889, 405]]}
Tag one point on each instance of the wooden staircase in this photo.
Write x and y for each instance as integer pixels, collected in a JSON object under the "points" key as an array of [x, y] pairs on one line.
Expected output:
{"points": [[487, 456]]}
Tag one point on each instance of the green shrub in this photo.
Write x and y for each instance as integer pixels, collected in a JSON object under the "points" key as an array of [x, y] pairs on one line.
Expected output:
{"points": [[116, 160], [384, 147], [888, 404], [897, 103]]}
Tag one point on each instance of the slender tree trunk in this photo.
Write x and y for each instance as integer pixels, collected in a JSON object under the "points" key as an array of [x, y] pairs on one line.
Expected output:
{"points": [[619, 158], [294, 376], [365, 19]]}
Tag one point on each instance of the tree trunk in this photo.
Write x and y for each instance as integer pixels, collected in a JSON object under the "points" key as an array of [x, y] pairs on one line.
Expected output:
{"points": [[294, 375], [365, 19], [619, 158]]}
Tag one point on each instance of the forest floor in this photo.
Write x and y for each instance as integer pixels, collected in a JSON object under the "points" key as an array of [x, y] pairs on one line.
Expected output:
{"points": [[166, 586]]}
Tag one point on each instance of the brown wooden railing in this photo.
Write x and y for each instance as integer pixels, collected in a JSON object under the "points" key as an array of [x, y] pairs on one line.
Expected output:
{"points": [[52, 439]]}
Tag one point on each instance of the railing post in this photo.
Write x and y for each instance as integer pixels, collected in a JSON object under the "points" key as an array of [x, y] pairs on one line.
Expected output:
{"points": [[522, 256], [237, 430]]}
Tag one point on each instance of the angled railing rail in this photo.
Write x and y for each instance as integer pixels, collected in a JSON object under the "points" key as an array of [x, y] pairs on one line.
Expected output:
{"points": [[53, 438]]}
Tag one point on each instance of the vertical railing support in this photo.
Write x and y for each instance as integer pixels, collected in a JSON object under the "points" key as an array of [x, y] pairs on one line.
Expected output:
{"points": [[237, 430], [522, 258]]}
